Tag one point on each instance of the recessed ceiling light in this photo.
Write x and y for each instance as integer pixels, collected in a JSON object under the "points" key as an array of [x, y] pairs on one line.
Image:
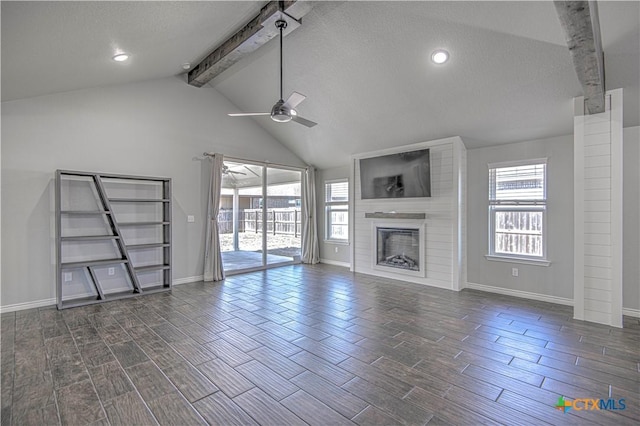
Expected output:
{"points": [[121, 57], [440, 56]]}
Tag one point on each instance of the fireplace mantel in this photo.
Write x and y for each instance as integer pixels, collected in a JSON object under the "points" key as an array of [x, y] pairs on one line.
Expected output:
{"points": [[395, 215]]}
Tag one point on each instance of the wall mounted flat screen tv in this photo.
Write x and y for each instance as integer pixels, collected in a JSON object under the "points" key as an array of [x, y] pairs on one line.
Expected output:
{"points": [[401, 175]]}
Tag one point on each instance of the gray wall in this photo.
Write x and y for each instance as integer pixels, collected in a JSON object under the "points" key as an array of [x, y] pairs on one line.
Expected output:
{"points": [[153, 128], [554, 280], [631, 220], [157, 127], [557, 279], [332, 252]]}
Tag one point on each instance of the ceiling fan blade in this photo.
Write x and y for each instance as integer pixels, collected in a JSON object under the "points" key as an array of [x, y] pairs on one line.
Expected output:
{"points": [[303, 121], [257, 175], [294, 100], [247, 114]]}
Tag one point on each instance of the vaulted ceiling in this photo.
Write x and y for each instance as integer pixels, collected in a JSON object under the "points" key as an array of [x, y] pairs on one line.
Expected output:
{"points": [[364, 66]]}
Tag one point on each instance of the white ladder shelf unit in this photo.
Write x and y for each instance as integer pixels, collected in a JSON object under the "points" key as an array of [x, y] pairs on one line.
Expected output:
{"points": [[113, 234]]}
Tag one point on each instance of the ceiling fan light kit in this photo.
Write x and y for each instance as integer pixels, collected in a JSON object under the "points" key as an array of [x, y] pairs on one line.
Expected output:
{"points": [[283, 111]]}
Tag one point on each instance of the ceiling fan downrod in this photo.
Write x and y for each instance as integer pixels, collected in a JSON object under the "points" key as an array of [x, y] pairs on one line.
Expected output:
{"points": [[281, 24], [280, 112], [283, 111]]}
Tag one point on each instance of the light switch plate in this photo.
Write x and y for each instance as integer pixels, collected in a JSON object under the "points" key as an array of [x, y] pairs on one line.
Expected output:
{"points": [[191, 218]]}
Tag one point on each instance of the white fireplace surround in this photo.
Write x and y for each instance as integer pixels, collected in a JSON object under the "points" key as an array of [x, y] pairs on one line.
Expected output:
{"points": [[403, 225], [441, 217]]}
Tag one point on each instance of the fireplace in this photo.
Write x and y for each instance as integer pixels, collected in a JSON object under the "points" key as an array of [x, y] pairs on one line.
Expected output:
{"points": [[399, 249]]}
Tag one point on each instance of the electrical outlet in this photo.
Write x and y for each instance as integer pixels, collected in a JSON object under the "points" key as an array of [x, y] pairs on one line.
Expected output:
{"points": [[111, 271], [514, 272], [191, 218], [68, 276], [336, 248]]}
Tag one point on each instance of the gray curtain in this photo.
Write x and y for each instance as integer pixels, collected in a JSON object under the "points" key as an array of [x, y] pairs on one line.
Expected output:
{"points": [[213, 270], [310, 249]]}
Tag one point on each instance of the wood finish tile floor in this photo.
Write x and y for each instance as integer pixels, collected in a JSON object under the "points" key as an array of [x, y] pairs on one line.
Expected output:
{"points": [[314, 345]]}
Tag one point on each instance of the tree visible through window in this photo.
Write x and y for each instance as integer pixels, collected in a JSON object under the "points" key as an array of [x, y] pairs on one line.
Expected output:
{"points": [[517, 208], [337, 210]]}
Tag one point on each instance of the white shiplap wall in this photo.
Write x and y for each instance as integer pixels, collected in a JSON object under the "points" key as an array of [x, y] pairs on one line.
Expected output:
{"points": [[598, 214], [461, 154], [445, 238]]}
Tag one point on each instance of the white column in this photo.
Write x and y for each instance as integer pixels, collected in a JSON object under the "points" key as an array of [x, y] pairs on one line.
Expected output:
{"points": [[459, 223], [598, 212]]}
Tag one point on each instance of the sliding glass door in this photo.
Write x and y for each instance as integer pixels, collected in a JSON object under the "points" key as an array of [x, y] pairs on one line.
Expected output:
{"points": [[239, 220], [260, 216], [284, 217]]}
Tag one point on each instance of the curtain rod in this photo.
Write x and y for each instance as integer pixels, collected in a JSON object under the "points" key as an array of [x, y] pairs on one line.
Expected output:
{"points": [[258, 163]]}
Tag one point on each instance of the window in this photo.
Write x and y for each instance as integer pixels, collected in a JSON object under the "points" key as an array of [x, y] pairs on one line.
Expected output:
{"points": [[336, 203], [517, 210]]}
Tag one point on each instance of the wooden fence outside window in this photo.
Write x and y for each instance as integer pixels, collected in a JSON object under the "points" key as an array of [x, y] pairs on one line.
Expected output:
{"points": [[279, 221]]}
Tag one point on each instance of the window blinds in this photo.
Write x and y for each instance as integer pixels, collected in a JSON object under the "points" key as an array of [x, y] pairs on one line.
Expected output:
{"points": [[519, 184], [337, 191]]}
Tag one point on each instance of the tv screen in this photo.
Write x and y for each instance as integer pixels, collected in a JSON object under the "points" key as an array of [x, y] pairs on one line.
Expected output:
{"points": [[401, 175]]}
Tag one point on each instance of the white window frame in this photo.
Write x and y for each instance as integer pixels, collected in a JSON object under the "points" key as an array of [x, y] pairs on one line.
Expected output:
{"points": [[496, 206], [329, 207]]}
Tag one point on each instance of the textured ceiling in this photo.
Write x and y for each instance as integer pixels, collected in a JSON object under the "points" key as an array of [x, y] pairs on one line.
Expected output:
{"points": [[53, 47], [364, 66]]}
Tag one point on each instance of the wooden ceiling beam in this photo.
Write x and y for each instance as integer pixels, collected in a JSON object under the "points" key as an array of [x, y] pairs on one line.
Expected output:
{"points": [[249, 38], [581, 26]]}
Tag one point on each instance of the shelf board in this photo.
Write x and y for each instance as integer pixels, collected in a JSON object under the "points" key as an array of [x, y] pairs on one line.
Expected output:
{"points": [[82, 301], [142, 223], [113, 176], [90, 238], [85, 212], [156, 288], [147, 246], [139, 200], [151, 268], [120, 294], [87, 263]]}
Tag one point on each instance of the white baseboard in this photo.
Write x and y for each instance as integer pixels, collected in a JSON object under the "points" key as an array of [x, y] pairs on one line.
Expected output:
{"points": [[27, 305], [630, 312], [521, 294], [187, 280], [335, 263]]}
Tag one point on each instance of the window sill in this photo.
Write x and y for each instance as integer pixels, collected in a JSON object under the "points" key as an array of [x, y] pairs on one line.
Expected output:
{"points": [[524, 261], [337, 242]]}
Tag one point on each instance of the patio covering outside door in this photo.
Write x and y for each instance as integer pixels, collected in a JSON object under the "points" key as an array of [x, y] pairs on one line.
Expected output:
{"points": [[260, 217]]}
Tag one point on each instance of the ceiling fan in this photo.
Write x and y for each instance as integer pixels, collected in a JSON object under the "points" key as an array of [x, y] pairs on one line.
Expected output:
{"points": [[283, 111], [227, 171]]}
